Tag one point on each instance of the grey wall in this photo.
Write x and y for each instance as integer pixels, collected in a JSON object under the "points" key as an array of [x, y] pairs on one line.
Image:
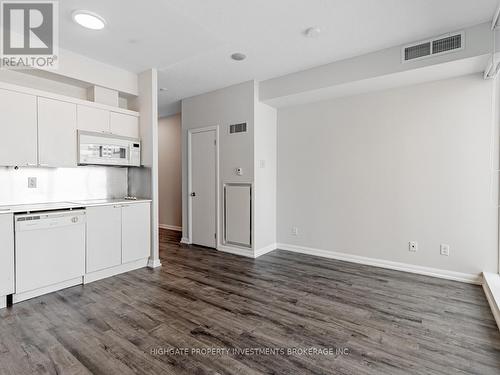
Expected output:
{"points": [[221, 108], [170, 170], [365, 175]]}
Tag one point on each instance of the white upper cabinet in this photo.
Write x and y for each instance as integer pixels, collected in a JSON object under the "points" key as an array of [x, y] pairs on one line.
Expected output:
{"points": [[56, 133], [136, 234], [104, 121], [40, 129], [124, 125], [18, 126], [93, 119]]}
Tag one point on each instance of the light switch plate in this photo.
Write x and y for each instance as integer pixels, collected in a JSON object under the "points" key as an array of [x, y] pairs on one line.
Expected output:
{"points": [[445, 249], [31, 182]]}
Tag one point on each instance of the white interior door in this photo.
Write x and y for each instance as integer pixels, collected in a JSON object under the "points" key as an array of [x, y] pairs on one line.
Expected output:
{"points": [[203, 188]]}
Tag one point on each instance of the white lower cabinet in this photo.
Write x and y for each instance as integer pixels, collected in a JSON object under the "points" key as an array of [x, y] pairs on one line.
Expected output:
{"points": [[136, 232], [104, 243], [117, 235], [6, 254]]}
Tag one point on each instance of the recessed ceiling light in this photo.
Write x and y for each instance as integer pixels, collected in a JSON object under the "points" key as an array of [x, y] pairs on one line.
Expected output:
{"points": [[89, 20], [312, 32], [238, 56]]}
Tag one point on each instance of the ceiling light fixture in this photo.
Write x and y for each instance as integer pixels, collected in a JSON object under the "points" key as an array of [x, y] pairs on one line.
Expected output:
{"points": [[238, 56], [312, 32], [89, 20]]}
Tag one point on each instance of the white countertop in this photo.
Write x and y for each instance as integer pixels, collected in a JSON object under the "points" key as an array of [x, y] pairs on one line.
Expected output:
{"points": [[51, 206]]}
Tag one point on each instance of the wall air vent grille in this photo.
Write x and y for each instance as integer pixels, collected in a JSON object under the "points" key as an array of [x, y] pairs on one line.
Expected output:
{"points": [[436, 46], [418, 51], [238, 128]]}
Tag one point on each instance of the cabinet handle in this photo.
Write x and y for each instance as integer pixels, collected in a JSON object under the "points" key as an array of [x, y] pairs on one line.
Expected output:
{"points": [[44, 165], [31, 165]]}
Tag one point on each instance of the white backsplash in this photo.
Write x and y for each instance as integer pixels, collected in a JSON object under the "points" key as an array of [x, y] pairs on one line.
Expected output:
{"points": [[62, 184]]}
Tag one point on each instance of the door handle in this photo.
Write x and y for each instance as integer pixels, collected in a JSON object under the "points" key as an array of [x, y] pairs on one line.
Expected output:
{"points": [[193, 194]]}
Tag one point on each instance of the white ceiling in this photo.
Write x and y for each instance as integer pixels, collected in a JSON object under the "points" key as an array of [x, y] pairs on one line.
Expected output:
{"points": [[190, 41]]}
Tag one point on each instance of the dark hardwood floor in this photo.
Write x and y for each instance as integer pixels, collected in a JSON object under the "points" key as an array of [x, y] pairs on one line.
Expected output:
{"points": [[365, 320]]}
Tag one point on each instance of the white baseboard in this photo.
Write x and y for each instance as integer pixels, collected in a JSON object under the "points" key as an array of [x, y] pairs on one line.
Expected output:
{"points": [[109, 272], [491, 286], [427, 271], [186, 241], [154, 263], [3, 302], [170, 227], [236, 251], [46, 290], [265, 250]]}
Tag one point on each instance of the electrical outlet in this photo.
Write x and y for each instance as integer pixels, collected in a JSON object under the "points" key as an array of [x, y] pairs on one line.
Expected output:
{"points": [[295, 231], [445, 249], [31, 182], [413, 246]]}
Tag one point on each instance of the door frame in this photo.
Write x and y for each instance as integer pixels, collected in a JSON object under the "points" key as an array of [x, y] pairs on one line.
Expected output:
{"points": [[190, 182]]}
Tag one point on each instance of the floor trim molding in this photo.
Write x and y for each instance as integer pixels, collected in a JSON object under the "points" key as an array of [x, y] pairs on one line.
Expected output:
{"points": [[3, 302], [248, 253], [427, 271], [265, 250], [46, 290], [491, 287], [113, 271], [186, 241], [170, 227], [154, 263]]}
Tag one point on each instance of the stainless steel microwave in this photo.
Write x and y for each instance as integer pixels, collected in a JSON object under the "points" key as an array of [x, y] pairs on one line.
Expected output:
{"points": [[108, 149]]}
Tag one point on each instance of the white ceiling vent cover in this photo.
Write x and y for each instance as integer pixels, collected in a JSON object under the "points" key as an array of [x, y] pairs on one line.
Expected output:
{"points": [[452, 42]]}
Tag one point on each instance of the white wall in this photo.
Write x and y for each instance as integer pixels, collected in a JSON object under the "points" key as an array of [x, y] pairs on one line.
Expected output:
{"points": [[364, 175], [234, 104], [170, 170]]}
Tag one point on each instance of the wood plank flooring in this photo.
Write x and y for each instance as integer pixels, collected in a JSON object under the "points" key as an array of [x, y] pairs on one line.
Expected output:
{"points": [[366, 320]]}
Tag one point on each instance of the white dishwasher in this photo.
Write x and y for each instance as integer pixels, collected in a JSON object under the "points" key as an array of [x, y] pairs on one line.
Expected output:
{"points": [[50, 250]]}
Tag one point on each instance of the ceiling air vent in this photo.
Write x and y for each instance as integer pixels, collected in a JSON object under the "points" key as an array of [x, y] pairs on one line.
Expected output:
{"points": [[447, 44], [418, 51], [238, 128], [437, 46]]}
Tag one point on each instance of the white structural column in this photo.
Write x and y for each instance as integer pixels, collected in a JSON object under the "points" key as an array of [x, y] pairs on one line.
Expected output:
{"points": [[144, 181]]}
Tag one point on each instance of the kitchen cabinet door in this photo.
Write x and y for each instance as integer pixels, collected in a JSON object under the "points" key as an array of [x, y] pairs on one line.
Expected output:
{"points": [[124, 125], [6, 254], [56, 133], [18, 126], [93, 119], [104, 241], [136, 232]]}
